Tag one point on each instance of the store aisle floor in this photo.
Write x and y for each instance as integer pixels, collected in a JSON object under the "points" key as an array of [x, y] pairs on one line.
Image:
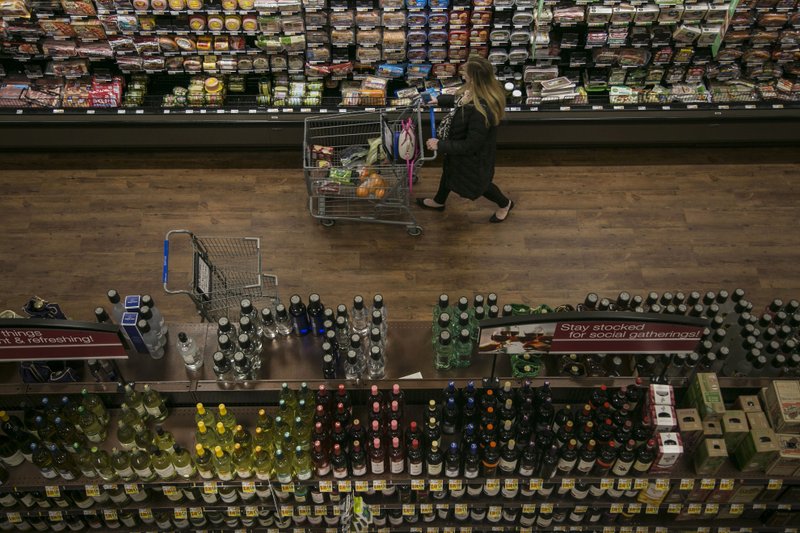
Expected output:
{"points": [[649, 219]]}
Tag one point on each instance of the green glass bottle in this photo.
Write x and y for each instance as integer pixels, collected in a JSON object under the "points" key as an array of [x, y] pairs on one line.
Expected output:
{"points": [[302, 464], [287, 443], [302, 434], [43, 461], [121, 463], [182, 461], [154, 404], [145, 438], [222, 464], [288, 396], [93, 403], [242, 461], [134, 400], [224, 437], [91, 426], [164, 440], [142, 464], [102, 463], [125, 435], [307, 395], [205, 416], [207, 439], [242, 437], [69, 410], [266, 423], [285, 411], [162, 464], [203, 462], [462, 352], [305, 414], [226, 418], [66, 433], [83, 460], [132, 419], [443, 357], [260, 439], [281, 427], [283, 467], [63, 463], [262, 462]]}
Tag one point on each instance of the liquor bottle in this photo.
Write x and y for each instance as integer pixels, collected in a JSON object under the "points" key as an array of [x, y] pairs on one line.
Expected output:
{"points": [[443, 355], [565, 433], [262, 463], [645, 456], [223, 370], [162, 464], [226, 418], [433, 431], [224, 438], [358, 460], [587, 457], [182, 462], [102, 464], [339, 462], [192, 358], [509, 457], [342, 335], [119, 461], [352, 367], [470, 411], [299, 316], [118, 308], [491, 459], [151, 339], [319, 458], [223, 466], [472, 462], [142, 464], [154, 404], [248, 328], [343, 397], [359, 318], [375, 431], [316, 313], [282, 321], [434, 460], [450, 417], [242, 461], [89, 424], [203, 462], [226, 327], [242, 362], [376, 367]]}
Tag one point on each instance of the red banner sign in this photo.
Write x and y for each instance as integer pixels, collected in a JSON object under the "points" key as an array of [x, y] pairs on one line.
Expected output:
{"points": [[27, 342]]}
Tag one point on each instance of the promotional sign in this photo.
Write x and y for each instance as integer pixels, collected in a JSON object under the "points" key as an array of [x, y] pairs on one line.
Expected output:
{"points": [[40, 340], [591, 332]]}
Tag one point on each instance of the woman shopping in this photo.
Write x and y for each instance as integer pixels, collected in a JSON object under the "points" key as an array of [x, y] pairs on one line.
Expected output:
{"points": [[467, 140]]}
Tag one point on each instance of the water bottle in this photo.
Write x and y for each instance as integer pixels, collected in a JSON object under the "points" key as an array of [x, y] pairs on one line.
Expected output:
{"points": [[151, 340], [192, 358], [247, 309], [359, 320], [242, 367], [282, 320], [376, 367], [157, 316], [352, 368], [223, 369], [118, 308], [268, 323], [146, 313]]}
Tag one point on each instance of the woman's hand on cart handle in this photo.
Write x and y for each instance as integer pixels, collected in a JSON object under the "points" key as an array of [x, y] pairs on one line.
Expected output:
{"points": [[432, 144]]}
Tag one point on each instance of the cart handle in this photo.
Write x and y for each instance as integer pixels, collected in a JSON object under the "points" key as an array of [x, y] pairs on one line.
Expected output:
{"points": [[165, 267], [419, 129]]}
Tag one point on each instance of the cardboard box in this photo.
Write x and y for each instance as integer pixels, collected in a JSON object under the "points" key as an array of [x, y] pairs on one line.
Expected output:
{"points": [[663, 418], [690, 427], [719, 496], [748, 404], [781, 401], [787, 463], [757, 451], [734, 428], [661, 395], [712, 429], [711, 454], [705, 395], [746, 493], [670, 449], [757, 420]]}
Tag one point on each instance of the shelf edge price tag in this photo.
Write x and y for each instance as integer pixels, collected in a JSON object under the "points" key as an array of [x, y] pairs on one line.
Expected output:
{"points": [[426, 508], [180, 513], [708, 484], [196, 512], [546, 508], [14, 518], [234, 512], [774, 484], [287, 487], [345, 486], [661, 529], [145, 514], [248, 487], [325, 486], [606, 483], [169, 490], [55, 516], [687, 484], [535, 484], [662, 484], [609, 529], [436, 485], [616, 507], [303, 510], [379, 484], [455, 484], [634, 508], [209, 487], [461, 508], [736, 509], [624, 484], [567, 484], [642, 529], [362, 486], [651, 509], [408, 509], [529, 508], [286, 511], [511, 484], [110, 514], [712, 508], [694, 508], [493, 484], [131, 488], [494, 512], [417, 484], [320, 510], [640, 484], [251, 511], [674, 508], [52, 491], [726, 484], [92, 490]]}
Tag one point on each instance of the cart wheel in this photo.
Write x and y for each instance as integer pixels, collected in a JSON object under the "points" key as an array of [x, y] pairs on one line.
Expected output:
{"points": [[328, 223], [414, 231]]}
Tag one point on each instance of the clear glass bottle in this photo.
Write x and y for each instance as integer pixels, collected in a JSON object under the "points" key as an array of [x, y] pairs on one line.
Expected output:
{"points": [[91, 426], [444, 352], [376, 367], [101, 461], [162, 464], [158, 318], [226, 327], [352, 366], [83, 460], [378, 322], [245, 346], [94, 403], [262, 463], [283, 467], [246, 327], [359, 319], [164, 440], [223, 370], [268, 323], [302, 465], [227, 346], [118, 308], [247, 309], [242, 368], [142, 464], [379, 304], [151, 341], [224, 437], [282, 321]]}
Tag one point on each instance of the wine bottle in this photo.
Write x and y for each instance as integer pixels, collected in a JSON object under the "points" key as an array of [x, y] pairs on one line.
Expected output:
{"points": [[104, 467], [509, 457], [358, 460], [434, 460], [319, 457], [162, 464], [182, 462], [262, 463], [587, 458], [415, 459], [452, 461], [645, 456], [339, 462], [377, 457], [303, 468], [154, 404], [224, 468], [224, 437]]}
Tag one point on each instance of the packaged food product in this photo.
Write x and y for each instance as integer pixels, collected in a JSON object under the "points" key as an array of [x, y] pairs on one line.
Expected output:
{"points": [[519, 37], [416, 4], [456, 38], [498, 56], [417, 54], [394, 38], [416, 20], [478, 36], [694, 13], [417, 37], [294, 43], [197, 22], [686, 34], [215, 22], [229, 5], [646, 14], [246, 5], [668, 14], [500, 36], [321, 54], [260, 62], [292, 24], [622, 14], [269, 24], [233, 22], [367, 54], [177, 5], [518, 55], [438, 37], [278, 62], [249, 23], [391, 4], [481, 18], [368, 37], [459, 18], [221, 43], [341, 19], [316, 18], [437, 54], [444, 70], [342, 37], [394, 19], [437, 19], [204, 43], [368, 19]]}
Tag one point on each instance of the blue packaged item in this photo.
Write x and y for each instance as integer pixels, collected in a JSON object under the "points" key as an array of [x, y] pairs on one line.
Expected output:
{"points": [[417, 20], [419, 70], [439, 4], [416, 4], [387, 70]]}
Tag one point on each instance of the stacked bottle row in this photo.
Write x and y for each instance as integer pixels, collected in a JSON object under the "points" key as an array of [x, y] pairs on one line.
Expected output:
{"points": [[143, 315], [455, 329]]}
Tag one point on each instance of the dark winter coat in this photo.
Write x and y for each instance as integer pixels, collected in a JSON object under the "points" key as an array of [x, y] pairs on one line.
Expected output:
{"points": [[469, 151]]}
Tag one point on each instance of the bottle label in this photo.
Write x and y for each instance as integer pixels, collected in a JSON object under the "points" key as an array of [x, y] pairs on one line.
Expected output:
{"points": [[415, 469], [585, 466], [434, 469], [507, 466], [566, 466], [165, 472], [452, 471], [621, 468], [14, 460], [140, 409], [244, 473], [225, 476], [156, 411], [263, 476], [377, 467], [470, 473], [397, 467], [304, 475], [324, 470], [184, 471], [525, 471], [143, 472], [284, 478], [641, 467], [360, 471]]}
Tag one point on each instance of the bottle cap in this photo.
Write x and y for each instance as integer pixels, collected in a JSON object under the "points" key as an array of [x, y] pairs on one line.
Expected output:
{"points": [[182, 337]]}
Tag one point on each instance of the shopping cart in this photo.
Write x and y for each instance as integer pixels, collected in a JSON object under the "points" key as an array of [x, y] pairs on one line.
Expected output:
{"points": [[345, 184], [224, 271]]}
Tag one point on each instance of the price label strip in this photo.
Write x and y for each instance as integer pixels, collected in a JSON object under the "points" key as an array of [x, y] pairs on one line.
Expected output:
{"points": [[345, 486], [197, 512], [325, 486], [248, 487], [180, 513], [362, 486], [417, 484], [436, 485], [567, 484], [455, 484], [408, 509], [52, 491], [379, 484], [209, 487], [426, 508], [131, 488]]}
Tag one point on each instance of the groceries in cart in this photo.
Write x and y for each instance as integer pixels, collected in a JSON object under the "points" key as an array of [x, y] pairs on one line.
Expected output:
{"points": [[357, 170]]}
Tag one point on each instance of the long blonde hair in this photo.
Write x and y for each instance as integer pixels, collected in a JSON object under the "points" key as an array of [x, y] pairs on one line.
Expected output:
{"points": [[484, 88]]}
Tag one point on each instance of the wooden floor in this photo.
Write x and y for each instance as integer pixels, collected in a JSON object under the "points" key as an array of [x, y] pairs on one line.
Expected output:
{"points": [[650, 219]]}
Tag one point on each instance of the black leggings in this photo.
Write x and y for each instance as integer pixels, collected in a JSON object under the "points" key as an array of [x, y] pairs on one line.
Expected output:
{"points": [[492, 193]]}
